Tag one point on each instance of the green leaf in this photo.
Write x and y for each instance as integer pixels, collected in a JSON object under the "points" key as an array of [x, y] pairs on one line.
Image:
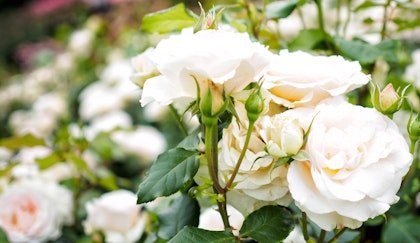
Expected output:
{"points": [[278, 10], [168, 174], [175, 18], [191, 141], [306, 40], [268, 224], [81, 165], [193, 234], [404, 229], [184, 211], [367, 5], [48, 161], [3, 236], [27, 140], [366, 53], [7, 169]]}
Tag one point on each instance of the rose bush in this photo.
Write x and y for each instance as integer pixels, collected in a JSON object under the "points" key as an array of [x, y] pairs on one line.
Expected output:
{"points": [[357, 161]]}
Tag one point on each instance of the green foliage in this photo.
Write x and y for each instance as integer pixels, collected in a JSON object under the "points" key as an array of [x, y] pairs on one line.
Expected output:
{"points": [[27, 140], [280, 9], [367, 53], [168, 174], [168, 20], [268, 224], [184, 211], [192, 234], [402, 229]]}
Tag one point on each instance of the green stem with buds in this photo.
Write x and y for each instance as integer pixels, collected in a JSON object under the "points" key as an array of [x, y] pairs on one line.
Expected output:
{"points": [[337, 235]]}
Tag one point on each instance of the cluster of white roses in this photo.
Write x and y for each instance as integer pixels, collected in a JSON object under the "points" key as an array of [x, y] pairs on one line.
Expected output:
{"points": [[354, 157]]}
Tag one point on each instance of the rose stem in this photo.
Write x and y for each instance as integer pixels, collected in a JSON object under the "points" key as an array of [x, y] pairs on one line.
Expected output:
{"points": [[322, 236], [211, 139], [178, 118], [241, 156], [305, 227], [337, 235]]}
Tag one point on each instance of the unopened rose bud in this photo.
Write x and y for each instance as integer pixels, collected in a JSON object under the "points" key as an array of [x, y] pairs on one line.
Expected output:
{"points": [[254, 105], [289, 140], [212, 105], [413, 128], [387, 101]]}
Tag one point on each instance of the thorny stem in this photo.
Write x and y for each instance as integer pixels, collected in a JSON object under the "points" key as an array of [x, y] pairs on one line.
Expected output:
{"points": [[241, 156], [181, 125]]}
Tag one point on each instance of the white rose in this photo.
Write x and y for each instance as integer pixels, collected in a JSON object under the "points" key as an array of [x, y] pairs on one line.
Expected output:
{"points": [[145, 142], [282, 134], [108, 122], [144, 68], [358, 159], [209, 58], [35, 210], [300, 79], [80, 42], [210, 219], [117, 215], [258, 178]]}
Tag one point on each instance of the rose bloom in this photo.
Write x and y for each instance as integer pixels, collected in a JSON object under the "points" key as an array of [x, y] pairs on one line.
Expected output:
{"points": [[298, 79], [358, 159], [35, 210], [117, 215], [259, 181], [210, 219], [215, 59]]}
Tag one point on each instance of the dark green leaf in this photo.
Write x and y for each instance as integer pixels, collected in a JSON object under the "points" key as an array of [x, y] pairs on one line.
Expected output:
{"points": [[168, 174], [268, 224], [193, 234], [277, 10], [367, 53], [389, 50], [27, 140], [306, 40], [175, 18], [184, 211], [191, 141], [404, 229]]}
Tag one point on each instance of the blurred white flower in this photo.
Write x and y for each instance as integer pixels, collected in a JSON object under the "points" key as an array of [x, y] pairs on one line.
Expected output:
{"points": [[145, 142], [26, 157], [38, 124], [35, 210], [412, 72], [52, 104], [107, 123], [80, 42], [117, 215], [210, 219]]}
